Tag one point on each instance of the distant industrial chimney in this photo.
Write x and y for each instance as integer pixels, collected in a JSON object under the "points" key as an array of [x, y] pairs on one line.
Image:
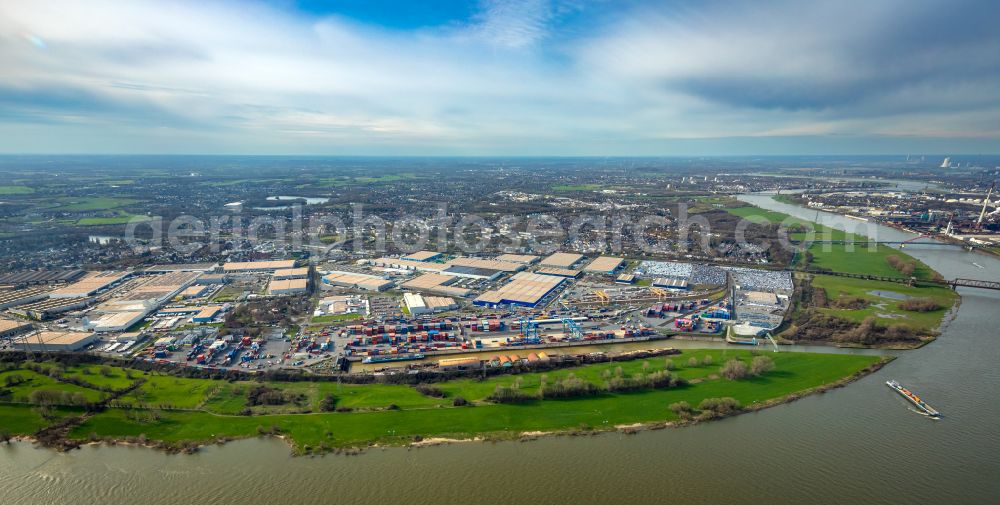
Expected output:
{"points": [[946, 163]]}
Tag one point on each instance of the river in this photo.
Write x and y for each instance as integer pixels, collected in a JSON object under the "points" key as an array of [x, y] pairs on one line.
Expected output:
{"points": [[859, 444]]}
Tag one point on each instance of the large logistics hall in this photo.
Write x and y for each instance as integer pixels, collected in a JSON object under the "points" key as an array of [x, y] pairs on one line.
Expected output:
{"points": [[436, 283], [257, 266], [525, 289], [405, 264], [604, 265], [56, 341], [356, 281], [488, 264], [422, 256], [561, 260], [90, 284], [526, 259]]}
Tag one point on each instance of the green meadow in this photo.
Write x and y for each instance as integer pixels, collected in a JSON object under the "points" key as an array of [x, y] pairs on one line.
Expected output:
{"points": [[203, 410], [847, 258]]}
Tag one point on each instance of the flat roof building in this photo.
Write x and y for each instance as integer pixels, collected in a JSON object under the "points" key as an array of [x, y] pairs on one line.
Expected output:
{"points": [[182, 267], [671, 283], [526, 259], [418, 304], [90, 284], [503, 266], [291, 273], [29, 277], [356, 281], [17, 297], [257, 266], [211, 279], [405, 264], [54, 341], [194, 291], [11, 327], [117, 321], [625, 279], [561, 260], [422, 256], [50, 307], [559, 272], [604, 265], [207, 313], [525, 289], [435, 283], [287, 286], [471, 272]]}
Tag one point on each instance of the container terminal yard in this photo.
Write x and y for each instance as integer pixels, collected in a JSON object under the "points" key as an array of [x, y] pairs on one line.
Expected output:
{"points": [[389, 314]]}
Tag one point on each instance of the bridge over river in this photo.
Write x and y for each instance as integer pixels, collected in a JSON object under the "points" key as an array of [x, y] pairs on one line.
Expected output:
{"points": [[911, 281]]}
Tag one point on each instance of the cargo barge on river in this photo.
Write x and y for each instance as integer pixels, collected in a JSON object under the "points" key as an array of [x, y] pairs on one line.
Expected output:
{"points": [[924, 409]]}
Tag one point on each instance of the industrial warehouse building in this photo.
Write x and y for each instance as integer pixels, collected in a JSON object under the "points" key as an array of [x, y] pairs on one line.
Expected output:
{"points": [[182, 267], [561, 260], [470, 272], [291, 273], [405, 264], [356, 281], [55, 341], [436, 283], [10, 328], [525, 259], [117, 321], [195, 291], [148, 293], [32, 277], [503, 266], [90, 284], [201, 313], [671, 283], [287, 286], [50, 307], [607, 265], [418, 304], [211, 279], [17, 297], [257, 266], [423, 256], [525, 289], [559, 272]]}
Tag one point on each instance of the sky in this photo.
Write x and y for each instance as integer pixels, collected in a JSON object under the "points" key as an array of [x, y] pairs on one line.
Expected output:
{"points": [[500, 77]]}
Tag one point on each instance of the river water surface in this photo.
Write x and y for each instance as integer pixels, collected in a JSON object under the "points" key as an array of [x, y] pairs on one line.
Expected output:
{"points": [[859, 444]]}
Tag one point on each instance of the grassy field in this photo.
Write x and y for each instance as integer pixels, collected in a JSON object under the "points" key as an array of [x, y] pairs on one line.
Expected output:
{"points": [[16, 190], [848, 258], [88, 204], [121, 218], [576, 187], [35, 381], [886, 309], [336, 318], [390, 413], [228, 294]]}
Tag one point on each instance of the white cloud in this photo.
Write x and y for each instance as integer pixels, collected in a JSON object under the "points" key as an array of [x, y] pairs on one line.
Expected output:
{"points": [[217, 76]]}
